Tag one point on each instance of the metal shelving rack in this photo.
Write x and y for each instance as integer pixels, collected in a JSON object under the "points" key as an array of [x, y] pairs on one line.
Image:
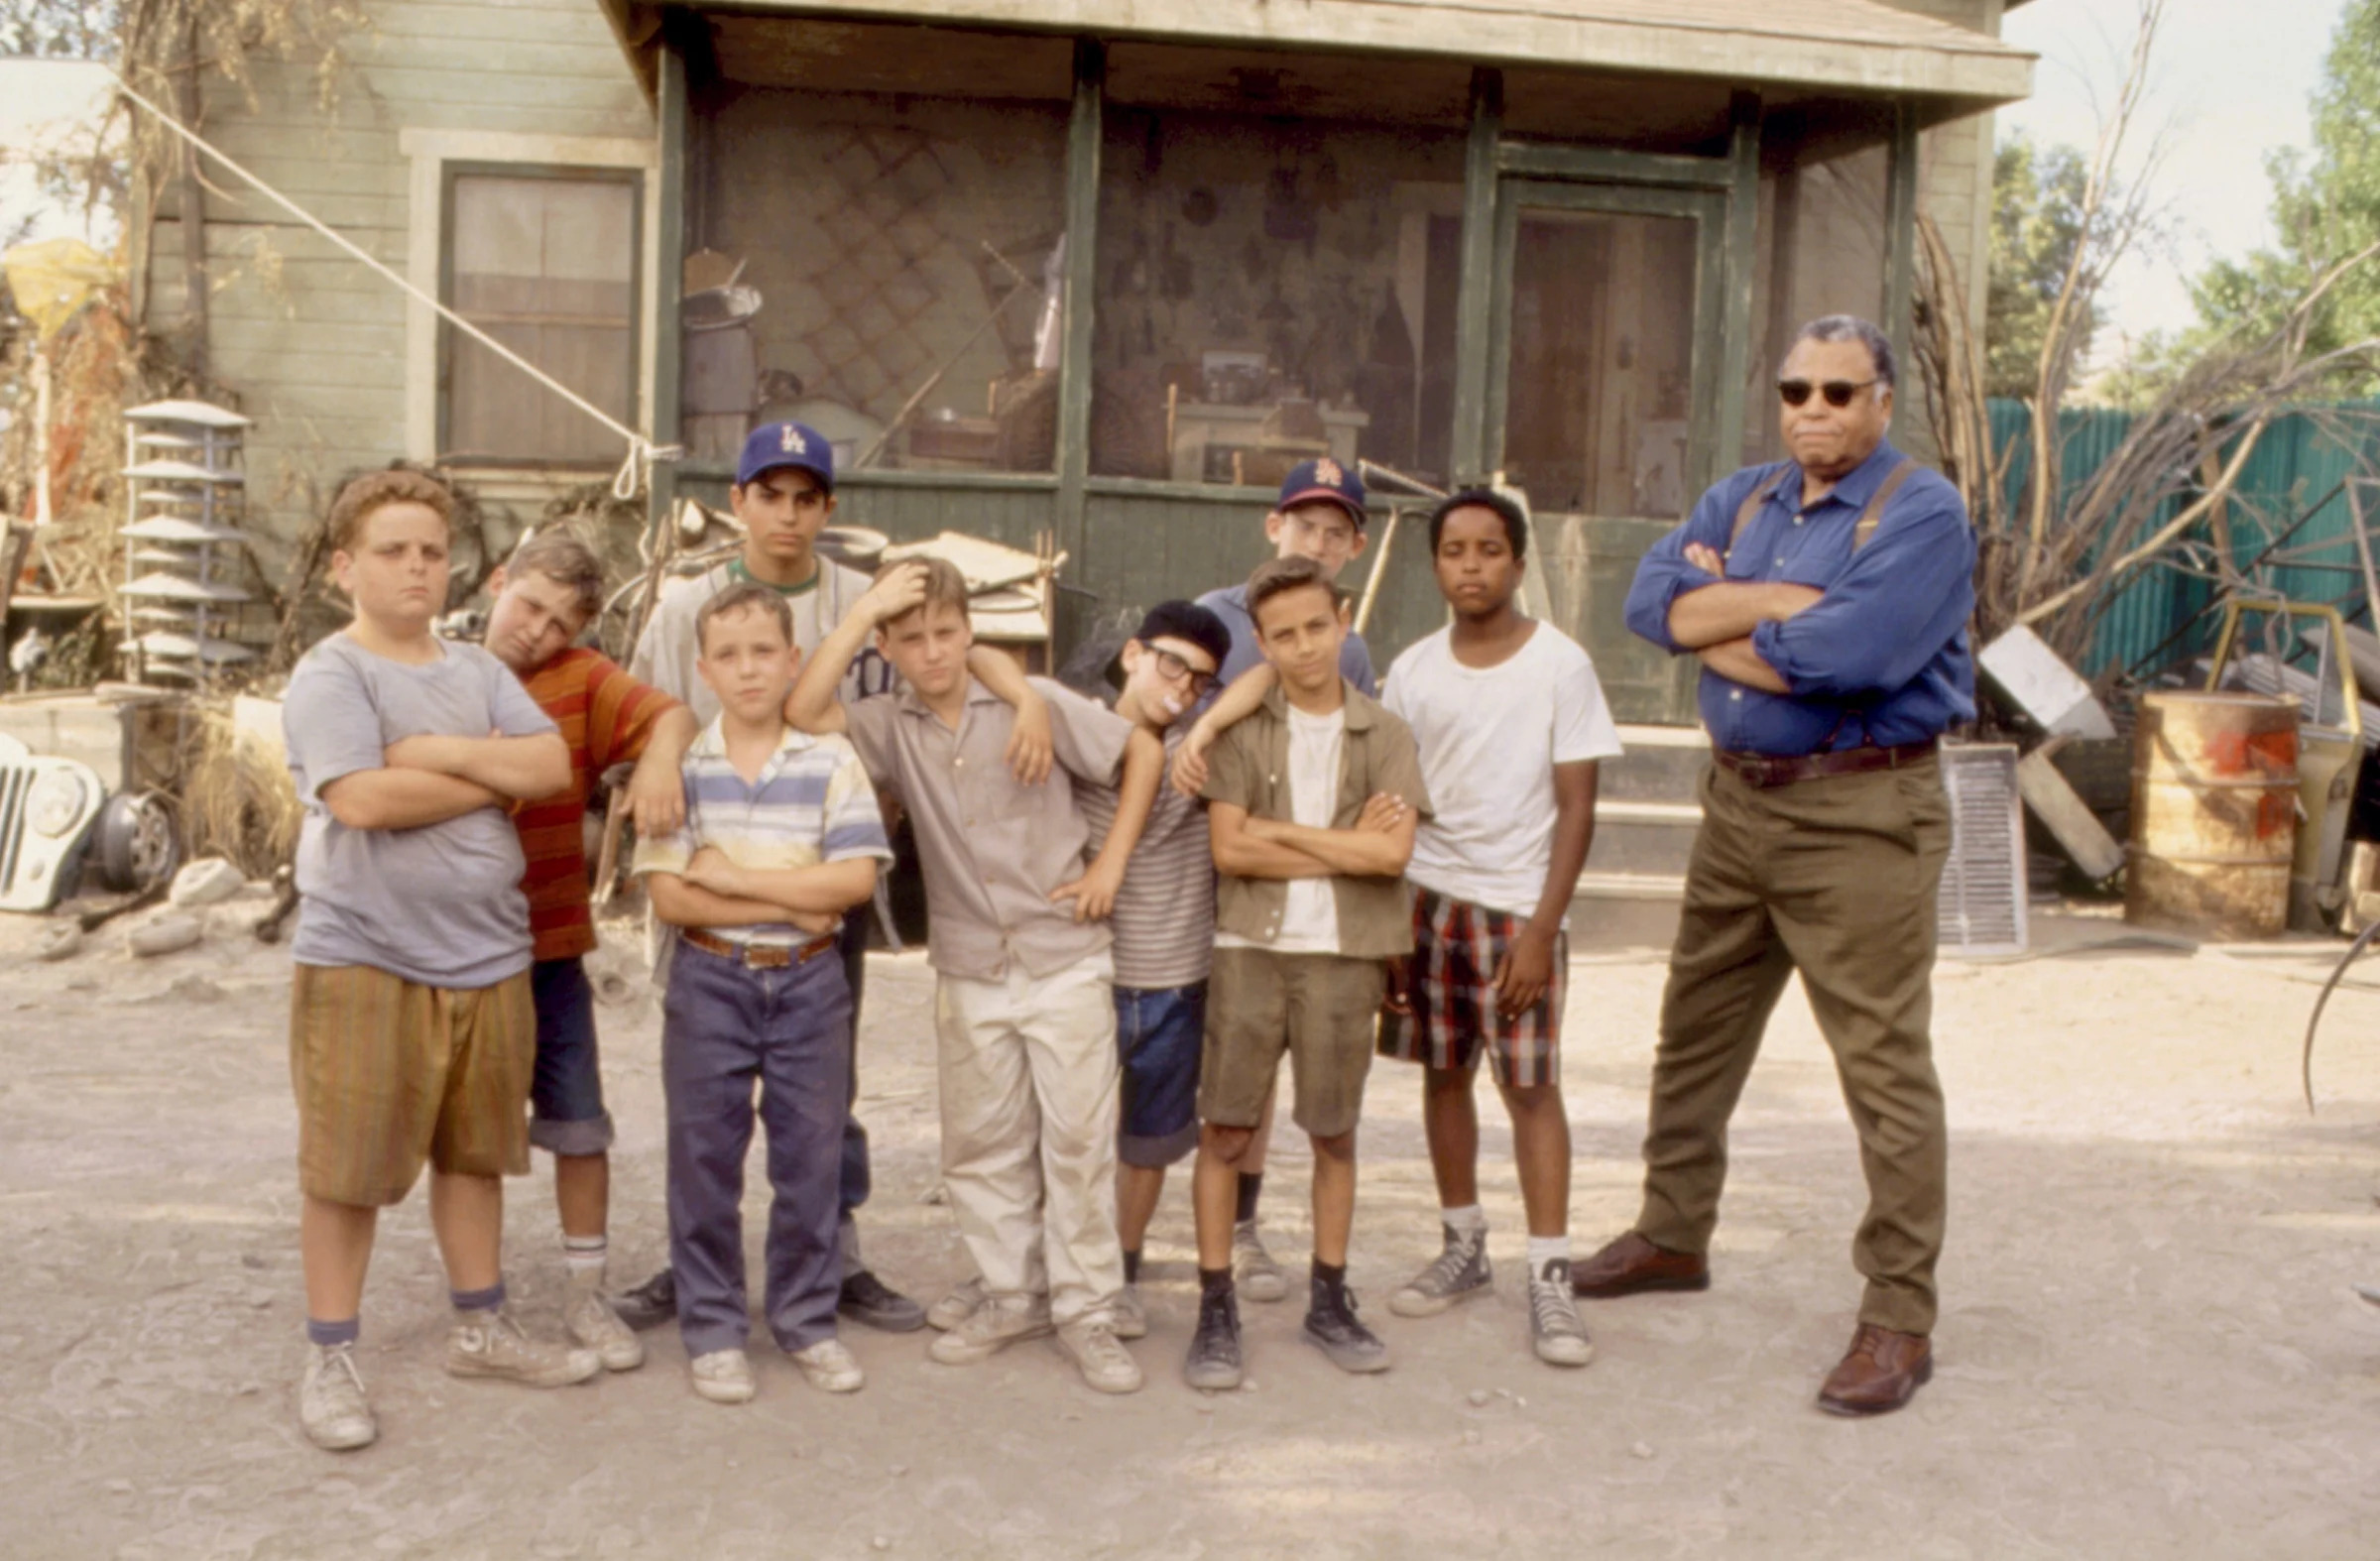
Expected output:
{"points": [[187, 493]]}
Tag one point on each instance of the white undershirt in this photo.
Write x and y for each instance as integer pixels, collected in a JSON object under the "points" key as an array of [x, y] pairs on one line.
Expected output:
{"points": [[1310, 919]]}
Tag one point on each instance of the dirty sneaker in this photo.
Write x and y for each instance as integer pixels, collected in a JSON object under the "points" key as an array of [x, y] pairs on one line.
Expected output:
{"points": [[1460, 1269], [868, 1299], [1106, 1366], [330, 1401], [1555, 1331], [724, 1376], [956, 1307], [490, 1344], [830, 1366], [998, 1322], [1132, 1313], [593, 1323], [1333, 1328], [649, 1304], [1253, 1272], [1213, 1363]]}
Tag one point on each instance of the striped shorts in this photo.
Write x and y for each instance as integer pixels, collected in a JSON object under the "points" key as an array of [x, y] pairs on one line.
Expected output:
{"points": [[390, 1074], [1451, 980]]}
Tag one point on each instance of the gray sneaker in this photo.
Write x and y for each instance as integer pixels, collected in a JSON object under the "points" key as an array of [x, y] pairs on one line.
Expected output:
{"points": [[1253, 1272], [1107, 1364], [992, 1327], [956, 1307], [490, 1344], [1130, 1313], [1213, 1361], [830, 1366], [592, 1322], [330, 1401], [1332, 1327], [1555, 1331], [1461, 1270]]}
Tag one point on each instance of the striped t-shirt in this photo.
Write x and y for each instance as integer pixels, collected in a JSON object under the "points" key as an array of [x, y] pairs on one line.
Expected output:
{"points": [[606, 716], [811, 804], [1164, 916]]}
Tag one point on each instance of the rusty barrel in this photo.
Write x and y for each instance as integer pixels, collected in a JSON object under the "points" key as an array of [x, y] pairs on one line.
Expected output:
{"points": [[2214, 813]]}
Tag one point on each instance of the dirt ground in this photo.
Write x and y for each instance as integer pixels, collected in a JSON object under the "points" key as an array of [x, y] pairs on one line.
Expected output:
{"points": [[2147, 1348]]}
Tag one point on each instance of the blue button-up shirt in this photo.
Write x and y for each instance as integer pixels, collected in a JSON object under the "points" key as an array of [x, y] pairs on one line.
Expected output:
{"points": [[1881, 658]]}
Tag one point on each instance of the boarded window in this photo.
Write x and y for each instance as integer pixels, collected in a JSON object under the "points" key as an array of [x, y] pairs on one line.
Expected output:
{"points": [[1270, 290], [548, 265], [896, 260]]}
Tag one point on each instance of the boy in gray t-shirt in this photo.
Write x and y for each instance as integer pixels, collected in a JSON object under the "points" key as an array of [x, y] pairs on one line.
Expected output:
{"points": [[412, 1029]]}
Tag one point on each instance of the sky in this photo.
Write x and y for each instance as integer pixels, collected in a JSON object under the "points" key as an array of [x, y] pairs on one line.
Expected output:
{"points": [[2229, 82], [39, 99]]}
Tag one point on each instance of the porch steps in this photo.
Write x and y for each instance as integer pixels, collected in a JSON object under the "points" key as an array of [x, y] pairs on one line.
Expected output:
{"points": [[1645, 818]]}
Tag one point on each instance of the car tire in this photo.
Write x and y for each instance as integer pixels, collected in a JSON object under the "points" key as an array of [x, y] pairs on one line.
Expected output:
{"points": [[135, 845]]}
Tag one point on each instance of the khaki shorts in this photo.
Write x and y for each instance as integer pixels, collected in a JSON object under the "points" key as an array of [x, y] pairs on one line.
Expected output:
{"points": [[1320, 1009], [390, 1074]]}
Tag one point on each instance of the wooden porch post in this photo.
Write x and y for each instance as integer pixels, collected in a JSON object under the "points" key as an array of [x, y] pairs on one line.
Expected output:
{"points": [[1900, 230], [671, 249], [1075, 304], [1735, 344], [1475, 291]]}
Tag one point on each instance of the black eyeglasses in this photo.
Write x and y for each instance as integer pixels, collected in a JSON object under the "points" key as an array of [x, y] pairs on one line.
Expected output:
{"points": [[1174, 669], [1839, 393]]}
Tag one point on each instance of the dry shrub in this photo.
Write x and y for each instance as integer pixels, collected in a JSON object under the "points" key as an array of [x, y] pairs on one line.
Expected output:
{"points": [[237, 799]]}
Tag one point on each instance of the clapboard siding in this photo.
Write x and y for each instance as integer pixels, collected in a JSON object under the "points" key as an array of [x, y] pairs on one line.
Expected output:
{"points": [[311, 343]]}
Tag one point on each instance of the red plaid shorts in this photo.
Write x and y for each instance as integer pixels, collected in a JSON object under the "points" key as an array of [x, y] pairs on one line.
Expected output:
{"points": [[1457, 946]]}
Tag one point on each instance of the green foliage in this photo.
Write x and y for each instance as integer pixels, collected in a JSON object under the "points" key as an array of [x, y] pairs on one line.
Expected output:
{"points": [[2036, 225], [2326, 207]]}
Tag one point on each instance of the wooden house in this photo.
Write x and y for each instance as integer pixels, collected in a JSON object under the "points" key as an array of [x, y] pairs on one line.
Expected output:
{"points": [[1102, 269]]}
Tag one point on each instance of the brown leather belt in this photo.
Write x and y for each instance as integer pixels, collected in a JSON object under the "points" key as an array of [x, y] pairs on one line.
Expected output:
{"points": [[757, 956], [1766, 770]]}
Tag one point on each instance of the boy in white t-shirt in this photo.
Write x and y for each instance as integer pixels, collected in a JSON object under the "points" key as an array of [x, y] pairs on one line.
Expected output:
{"points": [[1510, 722]]}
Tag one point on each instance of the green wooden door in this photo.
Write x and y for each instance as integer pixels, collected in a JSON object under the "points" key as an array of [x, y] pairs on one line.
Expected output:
{"points": [[1602, 401]]}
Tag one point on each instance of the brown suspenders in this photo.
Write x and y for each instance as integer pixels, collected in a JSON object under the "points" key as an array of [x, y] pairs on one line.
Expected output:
{"points": [[1869, 518]]}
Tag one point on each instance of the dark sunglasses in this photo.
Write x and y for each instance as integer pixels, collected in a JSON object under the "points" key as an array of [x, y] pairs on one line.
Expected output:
{"points": [[1839, 393], [1173, 670]]}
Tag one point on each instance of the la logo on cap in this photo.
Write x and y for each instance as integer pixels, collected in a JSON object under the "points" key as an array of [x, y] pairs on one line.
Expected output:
{"points": [[1327, 472], [789, 440]]}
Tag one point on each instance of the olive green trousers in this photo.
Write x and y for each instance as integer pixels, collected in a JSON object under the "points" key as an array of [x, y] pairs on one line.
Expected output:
{"points": [[1834, 877]]}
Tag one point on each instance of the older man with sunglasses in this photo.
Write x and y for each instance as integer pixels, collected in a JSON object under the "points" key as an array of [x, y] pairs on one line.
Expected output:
{"points": [[1828, 597]]}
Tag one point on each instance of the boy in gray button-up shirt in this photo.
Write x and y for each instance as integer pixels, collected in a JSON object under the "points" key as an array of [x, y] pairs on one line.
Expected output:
{"points": [[1024, 1019]]}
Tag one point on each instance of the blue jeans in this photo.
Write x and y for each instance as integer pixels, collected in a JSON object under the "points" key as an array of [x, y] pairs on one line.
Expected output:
{"points": [[724, 1027], [566, 1092], [1158, 1035]]}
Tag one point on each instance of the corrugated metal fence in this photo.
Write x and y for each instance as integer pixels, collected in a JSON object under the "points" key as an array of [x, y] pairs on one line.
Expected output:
{"points": [[2298, 467]]}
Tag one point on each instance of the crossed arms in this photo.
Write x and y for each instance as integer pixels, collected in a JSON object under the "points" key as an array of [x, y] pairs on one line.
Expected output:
{"points": [[431, 778]]}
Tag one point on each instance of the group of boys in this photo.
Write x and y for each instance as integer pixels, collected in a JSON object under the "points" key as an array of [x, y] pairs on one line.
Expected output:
{"points": [[1119, 968]]}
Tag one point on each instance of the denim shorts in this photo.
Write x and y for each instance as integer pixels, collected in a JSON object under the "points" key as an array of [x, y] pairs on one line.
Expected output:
{"points": [[1158, 1034], [565, 1094]]}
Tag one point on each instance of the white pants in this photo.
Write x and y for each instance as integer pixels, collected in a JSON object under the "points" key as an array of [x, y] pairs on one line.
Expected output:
{"points": [[1029, 1078]]}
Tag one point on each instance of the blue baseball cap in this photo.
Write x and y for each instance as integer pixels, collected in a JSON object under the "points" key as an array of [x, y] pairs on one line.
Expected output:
{"points": [[773, 445], [1324, 479]]}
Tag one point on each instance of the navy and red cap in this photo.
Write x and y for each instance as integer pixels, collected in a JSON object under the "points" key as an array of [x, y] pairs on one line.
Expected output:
{"points": [[1324, 479], [774, 446]]}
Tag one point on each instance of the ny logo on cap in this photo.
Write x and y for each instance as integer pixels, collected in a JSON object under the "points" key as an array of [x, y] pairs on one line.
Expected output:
{"points": [[1327, 472], [789, 440]]}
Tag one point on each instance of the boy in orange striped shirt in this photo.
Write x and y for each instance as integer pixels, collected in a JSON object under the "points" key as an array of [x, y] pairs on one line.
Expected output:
{"points": [[545, 598]]}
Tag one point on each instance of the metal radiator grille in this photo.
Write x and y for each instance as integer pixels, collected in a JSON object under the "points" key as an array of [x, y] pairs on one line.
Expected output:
{"points": [[1982, 906]]}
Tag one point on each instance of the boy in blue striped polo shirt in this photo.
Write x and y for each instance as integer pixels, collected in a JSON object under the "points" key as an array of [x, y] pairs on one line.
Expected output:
{"points": [[782, 837]]}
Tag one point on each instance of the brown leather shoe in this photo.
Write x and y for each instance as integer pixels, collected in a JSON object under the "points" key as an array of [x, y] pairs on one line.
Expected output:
{"points": [[1883, 1371], [1633, 1265]]}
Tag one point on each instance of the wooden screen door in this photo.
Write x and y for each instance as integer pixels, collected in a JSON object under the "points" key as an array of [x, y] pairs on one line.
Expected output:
{"points": [[1603, 402]]}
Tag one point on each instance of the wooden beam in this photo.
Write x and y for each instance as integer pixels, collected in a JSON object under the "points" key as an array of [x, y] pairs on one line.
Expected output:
{"points": [[1900, 230], [1083, 132], [1475, 291], [669, 102], [1540, 159], [189, 200], [1742, 255]]}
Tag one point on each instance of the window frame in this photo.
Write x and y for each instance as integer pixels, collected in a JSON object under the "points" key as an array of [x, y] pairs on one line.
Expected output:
{"points": [[433, 153]]}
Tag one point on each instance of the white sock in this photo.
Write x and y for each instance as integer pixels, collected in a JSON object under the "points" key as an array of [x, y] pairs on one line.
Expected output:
{"points": [[1469, 1219], [1544, 1250], [583, 1256]]}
